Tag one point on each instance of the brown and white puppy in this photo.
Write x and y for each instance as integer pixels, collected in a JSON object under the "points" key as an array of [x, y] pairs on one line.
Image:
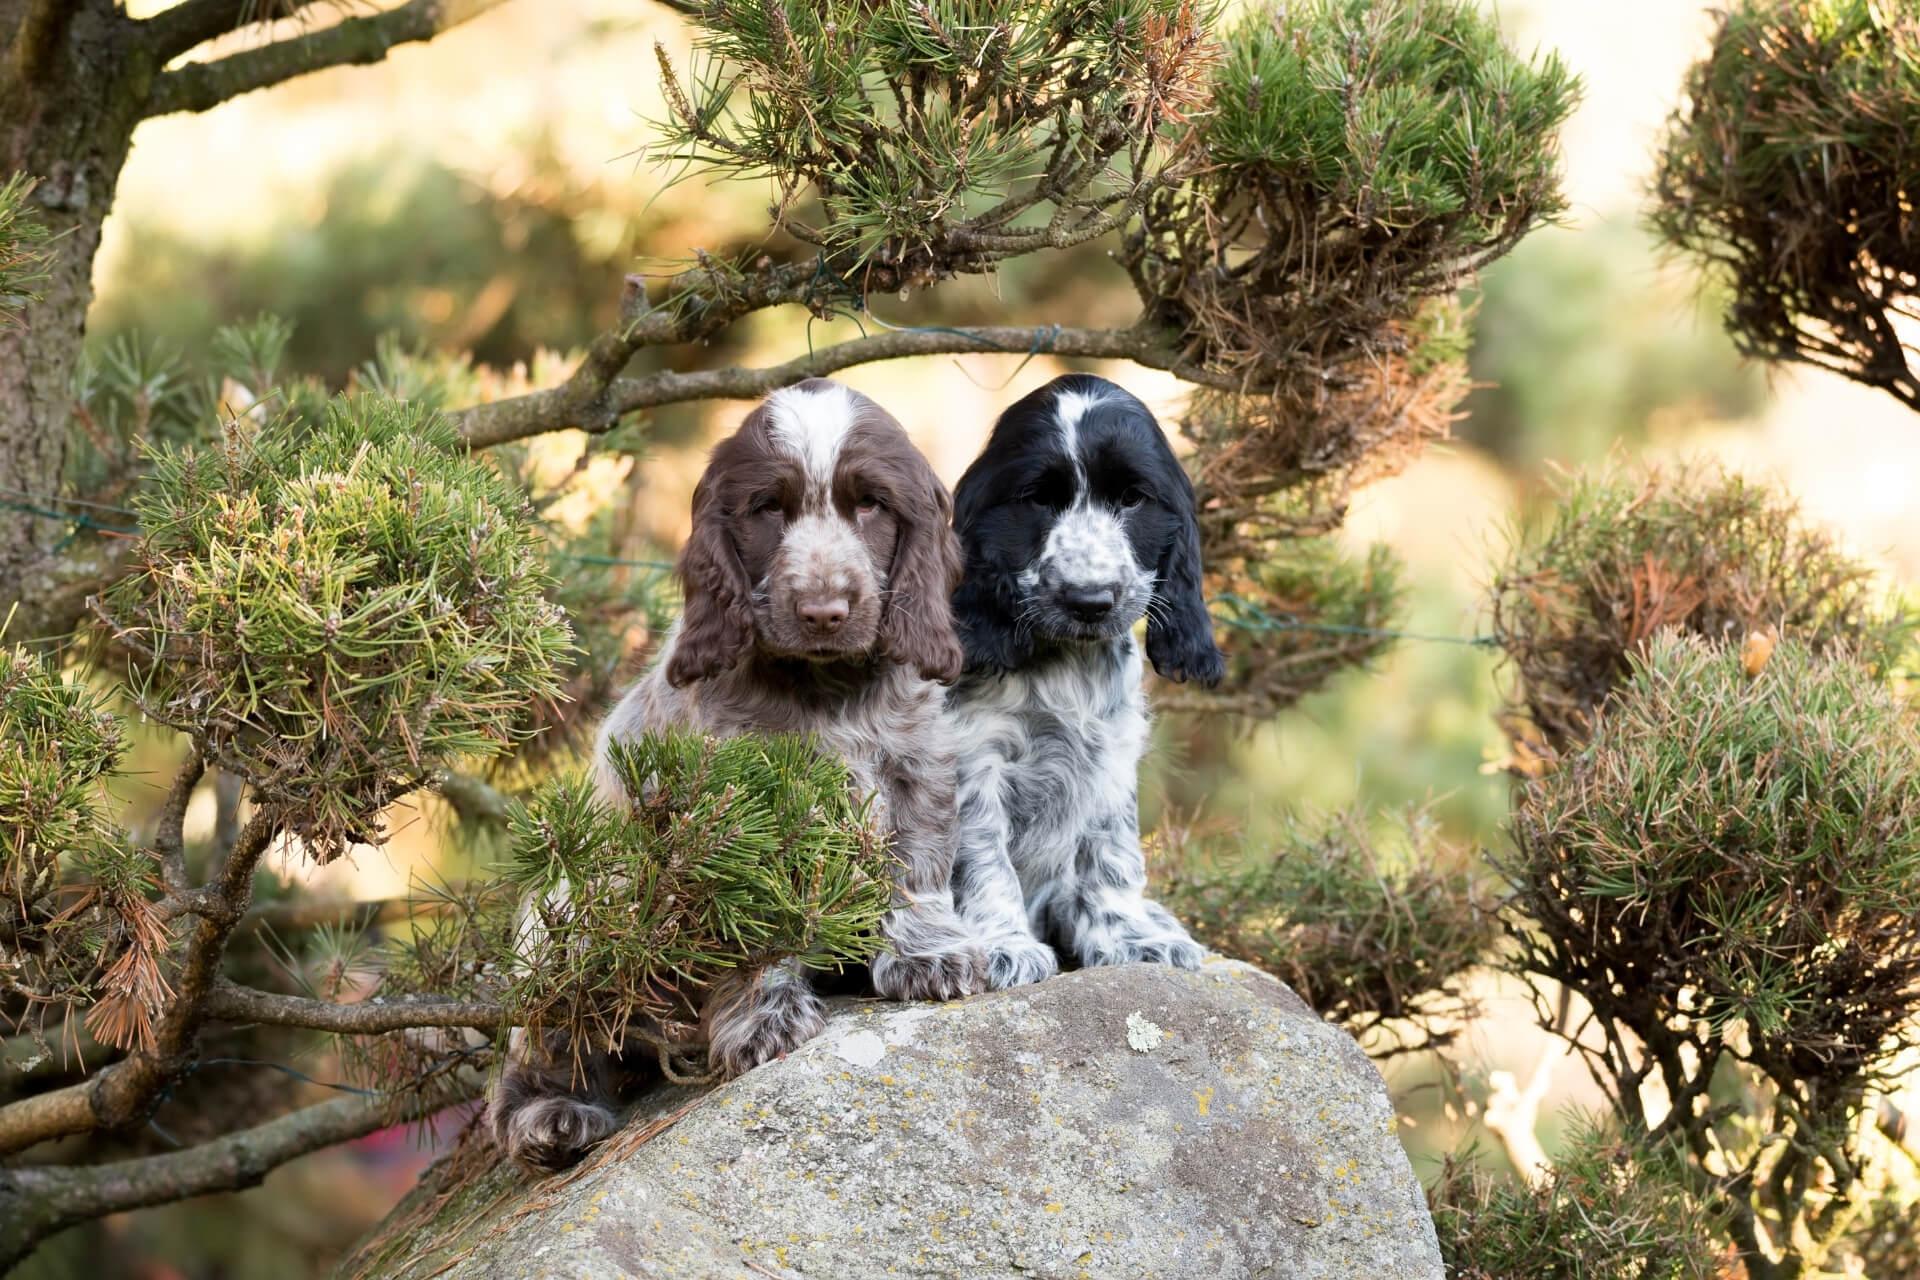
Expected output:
{"points": [[818, 577]]}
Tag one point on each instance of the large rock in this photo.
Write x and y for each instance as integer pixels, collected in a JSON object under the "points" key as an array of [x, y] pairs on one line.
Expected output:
{"points": [[1131, 1122]]}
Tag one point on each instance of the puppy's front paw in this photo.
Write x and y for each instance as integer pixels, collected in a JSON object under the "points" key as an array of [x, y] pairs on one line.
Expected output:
{"points": [[766, 1022], [1184, 954], [1015, 959], [546, 1135], [942, 975], [1177, 950]]}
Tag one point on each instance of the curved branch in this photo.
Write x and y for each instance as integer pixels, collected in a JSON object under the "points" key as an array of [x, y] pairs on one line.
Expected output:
{"points": [[199, 86], [36, 1202], [188, 25], [230, 1002], [594, 401]]}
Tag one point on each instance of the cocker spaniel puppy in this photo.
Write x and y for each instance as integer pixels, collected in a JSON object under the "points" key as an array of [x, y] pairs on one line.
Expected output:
{"points": [[1076, 522], [817, 577]]}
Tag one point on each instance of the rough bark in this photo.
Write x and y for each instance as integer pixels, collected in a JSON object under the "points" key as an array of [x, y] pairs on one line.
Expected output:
{"points": [[68, 121]]}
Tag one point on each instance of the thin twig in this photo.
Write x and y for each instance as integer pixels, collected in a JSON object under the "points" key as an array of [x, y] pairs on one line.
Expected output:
{"points": [[230, 1002]]}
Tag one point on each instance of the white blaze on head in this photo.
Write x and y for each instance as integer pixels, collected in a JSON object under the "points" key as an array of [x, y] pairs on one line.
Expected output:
{"points": [[812, 423], [1068, 408]]}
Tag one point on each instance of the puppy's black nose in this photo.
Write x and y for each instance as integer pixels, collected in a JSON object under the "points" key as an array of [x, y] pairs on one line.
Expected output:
{"points": [[823, 617], [1088, 604]]}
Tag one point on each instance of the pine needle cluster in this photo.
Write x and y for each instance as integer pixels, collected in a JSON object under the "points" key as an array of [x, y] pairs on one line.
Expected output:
{"points": [[1608, 1209], [1791, 172], [1359, 156], [24, 251], [1626, 556], [336, 613], [77, 928], [733, 855], [1371, 938], [1729, 875], [919, 133]]}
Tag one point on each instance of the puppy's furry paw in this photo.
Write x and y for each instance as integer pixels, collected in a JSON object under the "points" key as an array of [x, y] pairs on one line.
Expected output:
{"points": [[1179, 951], [1015, 959], [1182, 953], [940, 975], [760, 1018], [549, 1133]]}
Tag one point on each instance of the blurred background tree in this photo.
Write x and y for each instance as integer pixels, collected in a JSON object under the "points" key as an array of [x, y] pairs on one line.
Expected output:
{"points": [[445, 228]]}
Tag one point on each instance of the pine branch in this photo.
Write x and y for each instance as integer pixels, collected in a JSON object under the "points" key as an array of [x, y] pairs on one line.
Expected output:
{"points": [[36, 1202], [593, 401], [230, 1002], [191, 24], [202, 85]]}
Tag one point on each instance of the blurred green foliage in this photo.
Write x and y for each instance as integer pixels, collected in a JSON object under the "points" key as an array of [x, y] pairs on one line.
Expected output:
{"points": [[1583, 340], [399, 244]]}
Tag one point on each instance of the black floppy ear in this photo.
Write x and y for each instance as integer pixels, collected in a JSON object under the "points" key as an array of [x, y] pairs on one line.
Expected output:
{"points": [[983, 614], [986, 605], [1179, 629], [716, 626], [918, 627]]}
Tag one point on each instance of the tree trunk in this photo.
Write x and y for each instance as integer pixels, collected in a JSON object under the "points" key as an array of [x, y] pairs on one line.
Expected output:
{"points": [[67, 114]]}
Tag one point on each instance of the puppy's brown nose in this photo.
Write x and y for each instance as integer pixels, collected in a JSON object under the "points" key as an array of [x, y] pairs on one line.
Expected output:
{"points": [[823, 617]]}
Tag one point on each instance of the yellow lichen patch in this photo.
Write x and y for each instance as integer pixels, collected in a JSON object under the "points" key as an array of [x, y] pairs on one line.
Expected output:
{"points": [[1054, 1208], [1203, 1099]]}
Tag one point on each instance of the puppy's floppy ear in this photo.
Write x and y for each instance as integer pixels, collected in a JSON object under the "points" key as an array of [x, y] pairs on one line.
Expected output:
{"points": [[1179, 629], [986, 607], [716, 626], [917, 628]]}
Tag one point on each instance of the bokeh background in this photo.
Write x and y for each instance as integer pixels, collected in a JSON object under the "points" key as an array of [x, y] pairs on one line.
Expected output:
{"points": [[485, 192]]}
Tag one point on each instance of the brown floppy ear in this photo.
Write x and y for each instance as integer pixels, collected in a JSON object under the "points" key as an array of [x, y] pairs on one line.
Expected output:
{"points": [[716, 626], [917, 627]]}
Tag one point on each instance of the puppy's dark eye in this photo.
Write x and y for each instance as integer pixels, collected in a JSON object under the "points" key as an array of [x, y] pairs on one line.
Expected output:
{"points": [[1132, 496], [765, 506], [1053, 491], [866, 504]]}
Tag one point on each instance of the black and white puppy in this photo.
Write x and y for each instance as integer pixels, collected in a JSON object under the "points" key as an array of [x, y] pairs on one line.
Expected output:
{"points": [[1075, 522]]}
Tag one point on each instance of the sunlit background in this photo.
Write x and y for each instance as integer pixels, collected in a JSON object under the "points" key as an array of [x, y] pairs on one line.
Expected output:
{"points": [[486, 192]]}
